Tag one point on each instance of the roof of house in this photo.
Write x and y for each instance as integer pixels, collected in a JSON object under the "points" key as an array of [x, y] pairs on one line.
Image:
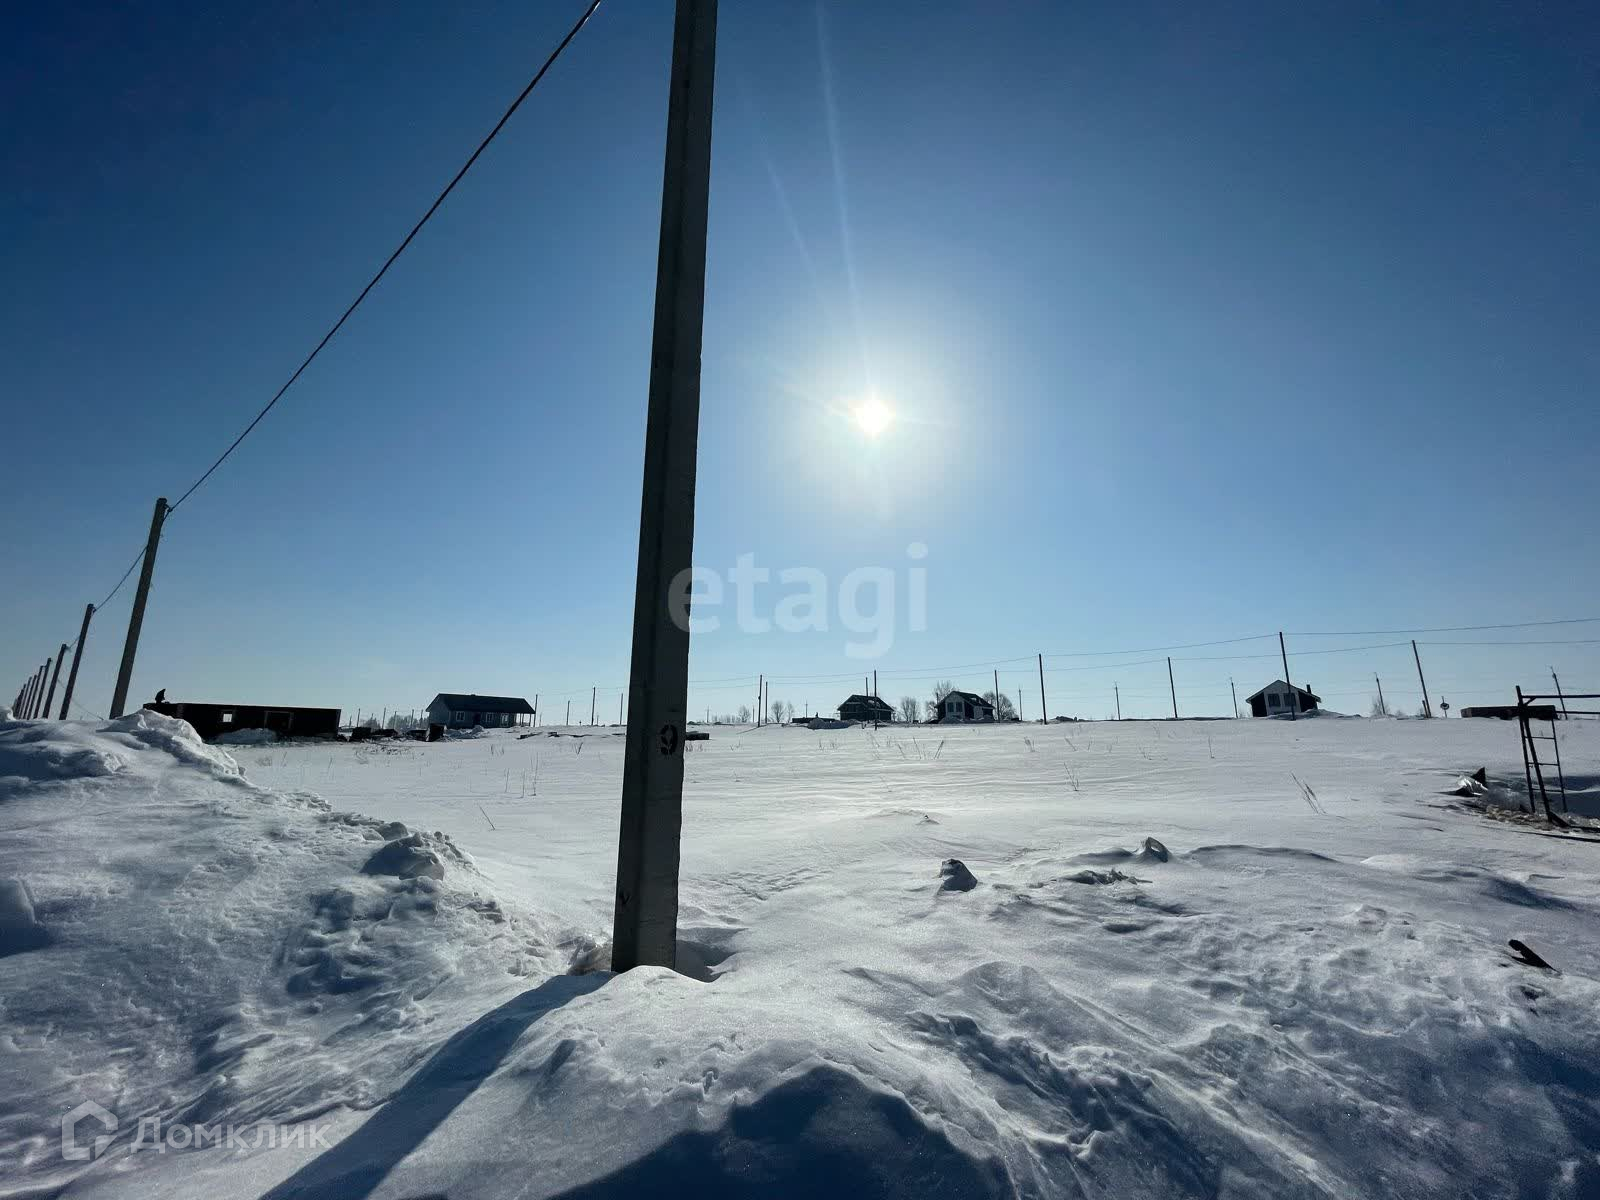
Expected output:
{"points": [[472, 702], [858, 698], [1279, 685], [970, 698]]}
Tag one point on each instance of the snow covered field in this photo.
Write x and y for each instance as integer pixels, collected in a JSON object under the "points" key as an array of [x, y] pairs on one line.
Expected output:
{"points": [[1303, 988]]}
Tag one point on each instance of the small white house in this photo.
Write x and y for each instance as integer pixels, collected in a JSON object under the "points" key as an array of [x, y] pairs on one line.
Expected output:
{"points": [[1279, 699], [963, 706]]}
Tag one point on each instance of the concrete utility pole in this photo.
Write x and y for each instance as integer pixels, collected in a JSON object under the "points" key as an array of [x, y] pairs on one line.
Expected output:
{"points": [[1427, 707], [27, 696], [645, 924], [996, 693], [874, 683], [1559, 695], [1294, 696], [130, 648], [50, 697], [1173, 688], [1044, 708], [761, 687], [534, 720], [1235, 692], [1116, 691], [594, 693], [1382, 707], [1019, 704], [569, 713], [38, 691]]}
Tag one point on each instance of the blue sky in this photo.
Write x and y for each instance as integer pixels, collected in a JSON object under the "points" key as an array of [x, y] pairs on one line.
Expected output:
{"points": [[1196, 322]]}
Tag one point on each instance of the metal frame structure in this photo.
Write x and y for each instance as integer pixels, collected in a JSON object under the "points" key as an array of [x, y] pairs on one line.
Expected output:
{"points": [[1529, 709]]}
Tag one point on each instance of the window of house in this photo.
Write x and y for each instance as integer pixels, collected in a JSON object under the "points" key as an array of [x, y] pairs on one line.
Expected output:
{"points": [[1274, 700], [227, 718], [461, 716]]}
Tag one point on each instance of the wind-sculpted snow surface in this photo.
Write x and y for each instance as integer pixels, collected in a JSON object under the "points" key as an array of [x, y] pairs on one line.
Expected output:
{"points": [[181, 945], [1171, 974]]}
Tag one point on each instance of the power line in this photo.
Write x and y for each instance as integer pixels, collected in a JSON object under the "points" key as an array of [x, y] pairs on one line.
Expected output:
{"points": [[399, 250], [1576, 642], [1448, 628], [1254, 637], [356, 303], [137, 559]]}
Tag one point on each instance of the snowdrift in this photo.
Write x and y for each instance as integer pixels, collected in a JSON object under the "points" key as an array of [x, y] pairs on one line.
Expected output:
{"points": [[1168, 968]]}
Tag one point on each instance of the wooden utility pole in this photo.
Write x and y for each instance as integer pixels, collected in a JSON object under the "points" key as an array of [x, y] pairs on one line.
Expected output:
{"points": [[594, 693], [1559, 695], [1044, 708], [27, 696], [38, 691], [1294, 696], [1116, 690], [1382, 707], [1427, 706], [1173, 688], [996, 693], [1235, 692], [874, 683], [645, 924], [761, 687], [50, 697], [130, 648], [534, 720]]}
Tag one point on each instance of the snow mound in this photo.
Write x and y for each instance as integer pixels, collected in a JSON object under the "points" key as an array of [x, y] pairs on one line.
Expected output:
{"points": [[202, 950], [19, 927], [407, 857], [35, 751], [177, 737], [957, 878]]}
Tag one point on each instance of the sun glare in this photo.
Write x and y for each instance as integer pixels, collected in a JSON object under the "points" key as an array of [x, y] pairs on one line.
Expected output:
{"points": [[872, 417]]}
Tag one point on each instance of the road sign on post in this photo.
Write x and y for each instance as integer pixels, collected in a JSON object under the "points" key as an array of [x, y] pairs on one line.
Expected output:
{"points": [[645, 925]]}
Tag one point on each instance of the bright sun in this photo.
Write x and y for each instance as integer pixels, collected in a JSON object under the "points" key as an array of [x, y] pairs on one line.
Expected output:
{"points": [[872, 417]]}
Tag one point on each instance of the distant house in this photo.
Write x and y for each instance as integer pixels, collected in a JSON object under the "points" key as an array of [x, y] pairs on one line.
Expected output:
{"points": [[1279, 699], [455, 710], [962, 706], [865, 708], [213, 720]]}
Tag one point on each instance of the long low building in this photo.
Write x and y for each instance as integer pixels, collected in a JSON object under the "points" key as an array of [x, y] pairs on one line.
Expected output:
{"points": [[213, 720], [463, 710]]}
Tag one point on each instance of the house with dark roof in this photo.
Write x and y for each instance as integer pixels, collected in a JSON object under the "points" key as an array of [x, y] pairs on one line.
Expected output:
{"points": [[865, 708], [962, 706], [459, 710], [1279, 699]]}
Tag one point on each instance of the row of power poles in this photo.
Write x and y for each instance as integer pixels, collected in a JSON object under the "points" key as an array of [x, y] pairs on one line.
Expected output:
{"points": [[35, 701]]}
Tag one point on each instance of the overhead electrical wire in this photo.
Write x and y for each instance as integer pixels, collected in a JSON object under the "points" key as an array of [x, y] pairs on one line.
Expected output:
{"points": [[371, 283], [398, 251]]}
